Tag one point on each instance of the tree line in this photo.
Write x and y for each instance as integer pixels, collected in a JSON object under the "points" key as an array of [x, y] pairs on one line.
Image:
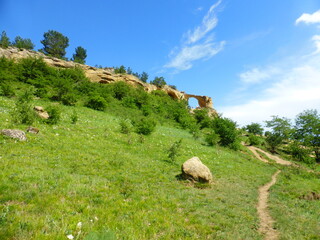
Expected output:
{"points": [[300, 139], [54, 45]]}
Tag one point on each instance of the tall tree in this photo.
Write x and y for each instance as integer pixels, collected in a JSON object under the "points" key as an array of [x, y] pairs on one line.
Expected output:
{"points": [[4, 40], [25, 43], [280, 126], [281, 130], [158, 81], [307, 130], [54, 44], [254, 128], [144, 77], [80, 55]]}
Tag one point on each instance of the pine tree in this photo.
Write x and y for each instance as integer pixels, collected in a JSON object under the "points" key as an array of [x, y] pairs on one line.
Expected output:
{"points": [[4, 40], [54, 44], [80, 55], [20, 42]]}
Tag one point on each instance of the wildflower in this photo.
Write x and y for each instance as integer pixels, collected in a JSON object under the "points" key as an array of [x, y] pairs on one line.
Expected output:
{"points": [[70, 236], [79, 225]]}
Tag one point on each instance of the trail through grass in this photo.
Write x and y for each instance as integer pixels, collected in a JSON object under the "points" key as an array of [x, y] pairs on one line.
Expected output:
{"points": [[123, 185]]}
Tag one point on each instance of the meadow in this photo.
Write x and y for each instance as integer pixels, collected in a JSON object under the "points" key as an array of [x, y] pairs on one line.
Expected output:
{"points": [[89, 180]]}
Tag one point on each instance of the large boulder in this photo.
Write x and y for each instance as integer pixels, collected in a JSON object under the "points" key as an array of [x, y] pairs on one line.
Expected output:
{"points": [[195, 170], [14, 133]]}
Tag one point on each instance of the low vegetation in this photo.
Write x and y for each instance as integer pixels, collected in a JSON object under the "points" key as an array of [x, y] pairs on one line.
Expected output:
{"points": [[105, 165]]}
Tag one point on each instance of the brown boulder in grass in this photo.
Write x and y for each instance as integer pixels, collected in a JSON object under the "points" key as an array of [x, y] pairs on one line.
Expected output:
{"points": [[193, 169]]}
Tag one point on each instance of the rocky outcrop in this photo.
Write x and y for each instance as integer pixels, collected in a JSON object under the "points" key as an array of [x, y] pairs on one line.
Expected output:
{"points": [[106, 75], [195, 170], [14, 133]]}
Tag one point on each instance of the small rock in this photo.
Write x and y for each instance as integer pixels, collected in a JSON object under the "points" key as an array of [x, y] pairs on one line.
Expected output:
{"points": [[33, 130], [195, 170], [14, 133], [41, 112]]}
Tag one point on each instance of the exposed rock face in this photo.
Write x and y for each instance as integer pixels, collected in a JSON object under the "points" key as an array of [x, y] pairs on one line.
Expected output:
{"points": [[106, 75], [195, 170], [41, 112], [14, 133]]}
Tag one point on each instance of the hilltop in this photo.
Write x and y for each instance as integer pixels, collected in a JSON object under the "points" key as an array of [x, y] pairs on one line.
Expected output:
{"points": [[106, 75]]}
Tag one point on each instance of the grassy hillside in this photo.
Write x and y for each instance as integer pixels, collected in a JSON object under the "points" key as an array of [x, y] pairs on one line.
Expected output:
{"points": [[125, 186], [91, 176]]}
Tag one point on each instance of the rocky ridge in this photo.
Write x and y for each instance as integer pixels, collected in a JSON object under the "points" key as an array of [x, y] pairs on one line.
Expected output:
{"points": [[107, 75]]}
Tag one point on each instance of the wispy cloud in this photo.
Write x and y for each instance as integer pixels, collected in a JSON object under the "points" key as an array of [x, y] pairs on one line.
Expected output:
{"points": [[183, 60], [209, 22], [256, 75], [288, 87], [309, 18], [294, 90], [316, 41], [198, 43]]}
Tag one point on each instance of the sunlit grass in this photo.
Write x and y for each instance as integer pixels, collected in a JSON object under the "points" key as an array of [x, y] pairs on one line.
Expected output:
{"points": [[90, 172]]}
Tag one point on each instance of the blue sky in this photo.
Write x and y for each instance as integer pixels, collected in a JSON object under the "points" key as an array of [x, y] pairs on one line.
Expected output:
{"points": [[254, 58]]}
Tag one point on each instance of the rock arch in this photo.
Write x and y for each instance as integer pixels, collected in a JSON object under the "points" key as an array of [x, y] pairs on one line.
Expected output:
{"points": [[203, 101]]}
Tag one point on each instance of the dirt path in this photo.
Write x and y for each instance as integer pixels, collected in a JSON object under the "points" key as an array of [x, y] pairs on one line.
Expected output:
{"points": [[256, 154], [266, 222], [277, 159]]}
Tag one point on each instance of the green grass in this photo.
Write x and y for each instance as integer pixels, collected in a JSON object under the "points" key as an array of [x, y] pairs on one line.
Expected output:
{"points": [[120, 184], [296, 218]]}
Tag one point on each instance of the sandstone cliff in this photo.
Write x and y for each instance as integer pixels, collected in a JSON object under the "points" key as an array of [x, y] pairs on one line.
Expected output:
{"points": [[106, 75]]}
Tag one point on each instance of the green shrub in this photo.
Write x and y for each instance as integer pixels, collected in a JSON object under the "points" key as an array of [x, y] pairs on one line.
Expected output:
{"points": [[129, 102], [6, 90], [144, 126], [69, 99], [254, 128], [33, 68], [202, 118], [174, 149], [54, 115], [159, 82], [120, 70], [41, 92], [23, 111], [125, 126], [25, 43], [96, 103], [212, 138], [74, 117], [300, 153], [146, 110], [227, 131], [274, 140], [120, 89], [254, 140], [195, 131]]}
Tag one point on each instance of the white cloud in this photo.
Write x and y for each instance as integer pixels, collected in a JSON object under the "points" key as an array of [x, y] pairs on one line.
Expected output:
{"points": [[198, 44], [257, 75], [295, 85], [316, 41], [183, 60], [295, 89], [309, 18], [209, 22]]}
